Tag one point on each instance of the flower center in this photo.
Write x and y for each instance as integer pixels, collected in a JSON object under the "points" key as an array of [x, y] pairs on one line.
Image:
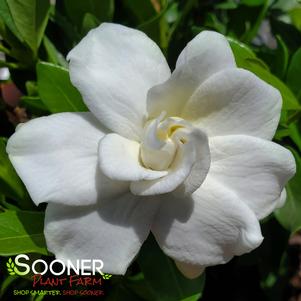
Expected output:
{"points": [[159, 143]]}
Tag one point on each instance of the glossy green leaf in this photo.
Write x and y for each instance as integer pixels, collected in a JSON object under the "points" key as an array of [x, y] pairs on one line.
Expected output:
{"points": [[53, 55], [7, 18], [22, 232], [30, 18], [289, 215], [56, 90], [163, 278], [245, 58], [294, 73], [10, 183]]}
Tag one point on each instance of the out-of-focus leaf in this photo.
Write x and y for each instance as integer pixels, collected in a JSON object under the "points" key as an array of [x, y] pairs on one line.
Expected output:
{"points": [[10, 183], [30, 18], [53, 55], [6, 283], [103, 10], [164, 279], [22, 232], [252, 2], [140, 286], [34, 105], [157, 28], [295, 133], [213, 22], [295, 15], [294, 73], [229, 4], [289, 33], [254, 28], [246, 59], [121, 293], [56, 90], [289, 215], [142, 10], [285, 5], [89, 22], [281, 59]]}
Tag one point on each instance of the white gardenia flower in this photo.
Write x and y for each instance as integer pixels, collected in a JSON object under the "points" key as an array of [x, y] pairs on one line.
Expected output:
{"points": [[186, 155]]}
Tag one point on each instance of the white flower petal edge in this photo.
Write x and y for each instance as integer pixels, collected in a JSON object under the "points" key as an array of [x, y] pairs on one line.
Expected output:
{"points": [[207, 228], [235, 101], [56, 157], [255, 170], [113, 232], [113, 67], [208, 53]]}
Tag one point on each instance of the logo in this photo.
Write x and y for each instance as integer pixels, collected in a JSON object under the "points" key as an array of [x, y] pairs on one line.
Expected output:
{"points": [[82, 277], [84, 267]]}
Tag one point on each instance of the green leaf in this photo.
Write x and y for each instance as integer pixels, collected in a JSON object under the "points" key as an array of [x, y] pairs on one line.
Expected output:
{"points": [[89, 22], [245, 58], [295, 133], [6, 16], [295, 15], [30, 18], [56, 90], [252, 2], [6, 283], [121, 293], [34, 105], [164, 279], [10, 183], [141, 10], [53, 55], [294, 73], [103, 10], [22, 232], [157, 28], [281, 60], [289, 215]]}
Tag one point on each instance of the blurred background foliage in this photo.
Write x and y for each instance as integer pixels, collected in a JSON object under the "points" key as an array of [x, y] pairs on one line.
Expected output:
{"points": [[265, 36]]}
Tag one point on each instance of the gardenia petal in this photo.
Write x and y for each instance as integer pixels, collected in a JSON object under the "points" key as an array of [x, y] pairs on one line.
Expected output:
{"points": [[56, 158], [208, 53], [113, 67], [256, 170], [113, 232], [235, 101], [119, 160], [189, 169], [207, 228]]}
